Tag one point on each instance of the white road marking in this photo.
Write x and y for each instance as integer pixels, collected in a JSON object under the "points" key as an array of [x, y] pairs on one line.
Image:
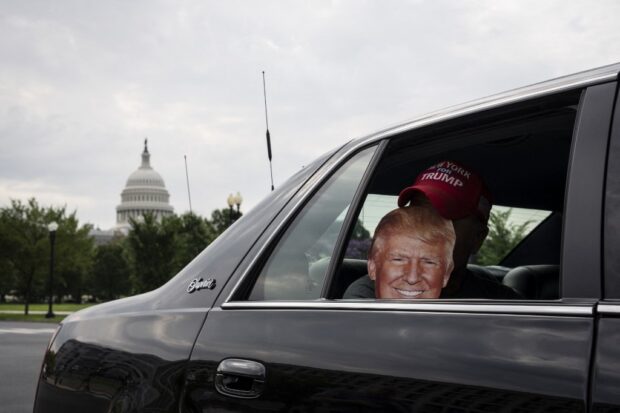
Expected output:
{"points": [[27, 330]]}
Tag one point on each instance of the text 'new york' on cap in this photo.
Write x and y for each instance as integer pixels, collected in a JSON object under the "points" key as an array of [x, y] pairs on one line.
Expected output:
{"points": [[454, 190]]}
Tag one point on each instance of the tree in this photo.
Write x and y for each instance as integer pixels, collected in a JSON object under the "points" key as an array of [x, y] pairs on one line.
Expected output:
{"points": [[7, 278], [502, 238], [194, 234], [111, 272], [75, 250], [159, 249], [25, 248], [222, 218], [151, 247]]}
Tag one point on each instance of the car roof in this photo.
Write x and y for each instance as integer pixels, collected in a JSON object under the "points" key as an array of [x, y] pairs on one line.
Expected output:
{"points": [[565, 83], [541, 134]]}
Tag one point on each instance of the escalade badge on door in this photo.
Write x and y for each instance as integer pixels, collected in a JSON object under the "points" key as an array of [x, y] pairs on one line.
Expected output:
{"points": [[199, 284]]}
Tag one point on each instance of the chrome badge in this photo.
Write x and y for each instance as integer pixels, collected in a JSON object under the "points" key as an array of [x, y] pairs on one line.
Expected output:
{"points": [[200, 284]]}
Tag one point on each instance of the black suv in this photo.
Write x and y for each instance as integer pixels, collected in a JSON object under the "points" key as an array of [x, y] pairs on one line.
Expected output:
{"points": [[257, 321]]}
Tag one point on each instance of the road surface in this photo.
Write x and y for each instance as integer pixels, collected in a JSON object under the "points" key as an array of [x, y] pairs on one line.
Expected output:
{"points": [[22, 346]]}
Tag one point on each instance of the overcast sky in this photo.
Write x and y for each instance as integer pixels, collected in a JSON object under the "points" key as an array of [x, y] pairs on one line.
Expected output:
{"points": [[82, 83]]}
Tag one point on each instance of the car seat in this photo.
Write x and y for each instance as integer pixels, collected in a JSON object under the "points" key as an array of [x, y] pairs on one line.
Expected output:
{"points": [[350, 270], [535, 282]]}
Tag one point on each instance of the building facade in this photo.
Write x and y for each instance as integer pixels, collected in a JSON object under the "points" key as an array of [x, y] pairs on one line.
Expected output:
{"points": [[145, 192]]}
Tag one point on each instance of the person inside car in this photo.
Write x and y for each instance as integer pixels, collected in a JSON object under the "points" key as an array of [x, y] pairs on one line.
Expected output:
{"points": [[460, 195], [411, 253]]}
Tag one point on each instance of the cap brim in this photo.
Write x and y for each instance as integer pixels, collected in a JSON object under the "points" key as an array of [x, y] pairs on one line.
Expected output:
{"points": [[444, 203]]}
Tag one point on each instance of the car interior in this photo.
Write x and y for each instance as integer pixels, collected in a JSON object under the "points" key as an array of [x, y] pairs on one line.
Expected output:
{"points": [[523, 158]]}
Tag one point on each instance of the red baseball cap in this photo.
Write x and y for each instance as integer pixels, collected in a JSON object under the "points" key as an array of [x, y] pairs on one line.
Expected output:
{"points": [[454, 190]]}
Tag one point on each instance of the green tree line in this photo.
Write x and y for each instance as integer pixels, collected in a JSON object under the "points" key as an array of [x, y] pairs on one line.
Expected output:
{"points": [[152, 252], [502, 238]]}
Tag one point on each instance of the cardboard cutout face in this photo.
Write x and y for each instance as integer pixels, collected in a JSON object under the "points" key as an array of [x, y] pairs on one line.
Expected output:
{"points": [[407, 267], [412, 254]]}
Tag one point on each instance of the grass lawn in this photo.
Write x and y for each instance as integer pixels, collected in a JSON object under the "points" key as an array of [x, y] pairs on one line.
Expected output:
{"points": [[43, 307], [38, 318], [37, 307]]}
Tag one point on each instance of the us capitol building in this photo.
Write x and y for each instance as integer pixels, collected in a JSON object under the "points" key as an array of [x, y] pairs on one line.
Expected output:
{"points": [[145, 192]]}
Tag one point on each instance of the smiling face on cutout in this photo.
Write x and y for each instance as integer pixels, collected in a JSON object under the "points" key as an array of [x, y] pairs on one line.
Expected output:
{"points": [[411, 255]]}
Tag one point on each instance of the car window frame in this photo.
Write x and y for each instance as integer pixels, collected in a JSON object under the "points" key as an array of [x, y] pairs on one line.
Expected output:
{"points": [[259, 257], [582, 229], [589, 139], [589, 118], [279, 248], [611, 235], [357, 202]]}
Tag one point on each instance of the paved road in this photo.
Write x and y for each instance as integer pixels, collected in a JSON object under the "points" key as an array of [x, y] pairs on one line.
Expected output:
{"points": [[22, 346]]}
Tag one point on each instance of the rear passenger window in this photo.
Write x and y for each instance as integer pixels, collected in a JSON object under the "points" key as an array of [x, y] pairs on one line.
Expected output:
{"points": [[509, 251]]}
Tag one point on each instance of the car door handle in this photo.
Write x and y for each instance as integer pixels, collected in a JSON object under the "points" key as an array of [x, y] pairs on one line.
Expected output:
{"points": [[244, 379]]}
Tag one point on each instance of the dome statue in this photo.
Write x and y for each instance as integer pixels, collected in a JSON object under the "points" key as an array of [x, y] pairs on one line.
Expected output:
{"points": [[145, 192]]}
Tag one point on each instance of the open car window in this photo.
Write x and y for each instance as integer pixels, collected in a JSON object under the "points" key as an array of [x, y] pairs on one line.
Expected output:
{"points": [[523, 159]]}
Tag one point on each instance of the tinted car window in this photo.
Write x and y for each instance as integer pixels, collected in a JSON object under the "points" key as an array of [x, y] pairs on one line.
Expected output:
{"points": [[295, 269]]}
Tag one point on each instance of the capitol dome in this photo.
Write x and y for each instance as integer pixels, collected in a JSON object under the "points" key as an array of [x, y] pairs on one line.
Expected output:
{"points": [[145, 192]]}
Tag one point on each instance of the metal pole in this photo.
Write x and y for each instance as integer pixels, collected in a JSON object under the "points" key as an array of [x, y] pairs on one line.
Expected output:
{"points": [[50, 313], [267, 134], [187, 179]]}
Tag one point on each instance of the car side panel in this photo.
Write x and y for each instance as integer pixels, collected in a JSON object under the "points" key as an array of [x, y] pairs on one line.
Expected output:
{"points": [[606, 378], [121, 363], [396, 361]]}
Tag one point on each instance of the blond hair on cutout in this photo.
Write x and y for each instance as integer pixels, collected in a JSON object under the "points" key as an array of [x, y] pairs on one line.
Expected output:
{"points": [[421, 221]]}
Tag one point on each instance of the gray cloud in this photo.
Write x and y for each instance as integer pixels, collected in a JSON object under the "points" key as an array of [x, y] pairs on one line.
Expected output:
{"points": [[82, 83]]}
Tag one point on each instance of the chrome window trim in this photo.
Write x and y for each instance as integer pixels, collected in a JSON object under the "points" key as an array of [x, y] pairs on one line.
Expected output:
{"points": [[554, 309], [77, 316], [608, 308]]}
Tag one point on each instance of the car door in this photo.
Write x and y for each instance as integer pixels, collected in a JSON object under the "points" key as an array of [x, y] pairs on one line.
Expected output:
{"points": [[278, 340]]}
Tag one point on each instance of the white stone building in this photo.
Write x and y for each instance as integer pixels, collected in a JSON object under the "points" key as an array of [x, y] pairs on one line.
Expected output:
{"points": [[145, 192]]}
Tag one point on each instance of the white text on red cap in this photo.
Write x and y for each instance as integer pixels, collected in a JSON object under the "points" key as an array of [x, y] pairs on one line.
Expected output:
{"points": [[453, 167], [442, 177]]}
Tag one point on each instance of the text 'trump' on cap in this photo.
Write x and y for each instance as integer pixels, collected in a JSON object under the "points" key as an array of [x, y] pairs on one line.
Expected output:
{"points": [[454, 190]]}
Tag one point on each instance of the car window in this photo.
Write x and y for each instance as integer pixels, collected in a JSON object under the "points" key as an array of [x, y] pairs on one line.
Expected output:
{"points": [[296, 267], [523, 159]]}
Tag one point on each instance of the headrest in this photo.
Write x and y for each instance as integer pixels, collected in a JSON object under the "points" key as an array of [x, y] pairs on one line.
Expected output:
{"points": [[535, 282]]}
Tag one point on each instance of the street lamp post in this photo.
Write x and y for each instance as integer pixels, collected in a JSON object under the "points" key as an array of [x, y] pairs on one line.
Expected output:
{"points": [[231, 202], [52, 227], [238, 200]]}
